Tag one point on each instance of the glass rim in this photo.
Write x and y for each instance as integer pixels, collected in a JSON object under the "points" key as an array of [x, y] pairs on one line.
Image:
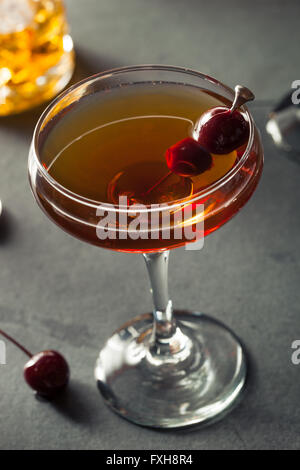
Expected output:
{"points": [[119, 208]]}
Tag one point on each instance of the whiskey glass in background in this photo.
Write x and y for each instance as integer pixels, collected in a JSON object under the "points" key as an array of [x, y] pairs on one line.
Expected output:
{"points": [[36, 53]]}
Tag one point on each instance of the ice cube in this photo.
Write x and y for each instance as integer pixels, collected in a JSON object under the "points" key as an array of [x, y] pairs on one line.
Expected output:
{"points": [[5, 75], [15, 15]]}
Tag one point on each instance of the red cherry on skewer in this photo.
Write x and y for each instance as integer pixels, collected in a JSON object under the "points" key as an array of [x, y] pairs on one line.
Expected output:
{"points": [[221, 130], [188, 158], [185, 158], [47, 372]]}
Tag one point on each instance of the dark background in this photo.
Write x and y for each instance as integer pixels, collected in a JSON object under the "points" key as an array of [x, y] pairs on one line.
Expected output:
{"points": [[58, 293]]}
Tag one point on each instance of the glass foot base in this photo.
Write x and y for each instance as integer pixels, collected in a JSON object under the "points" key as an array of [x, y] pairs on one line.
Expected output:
{"points": [[194, 384]]}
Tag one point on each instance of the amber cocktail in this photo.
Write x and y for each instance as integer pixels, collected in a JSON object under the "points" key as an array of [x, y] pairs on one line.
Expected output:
{"points": [[98, 159]]}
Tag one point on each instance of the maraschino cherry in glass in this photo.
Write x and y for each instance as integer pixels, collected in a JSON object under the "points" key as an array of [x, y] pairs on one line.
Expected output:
{"points": [[221, 130], [188, 158]]}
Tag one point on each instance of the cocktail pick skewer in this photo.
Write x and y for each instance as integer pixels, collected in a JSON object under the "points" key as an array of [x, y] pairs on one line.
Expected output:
{"points": [[161, 180], [242, 95]]}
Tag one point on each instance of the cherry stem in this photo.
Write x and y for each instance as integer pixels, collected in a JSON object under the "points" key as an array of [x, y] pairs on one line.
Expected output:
{"points": [[161, 180], [242, 95], [16, 343]]}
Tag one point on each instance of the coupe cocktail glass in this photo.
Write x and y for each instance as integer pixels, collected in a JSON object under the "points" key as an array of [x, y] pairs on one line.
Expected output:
{"points": [[172, 368]]}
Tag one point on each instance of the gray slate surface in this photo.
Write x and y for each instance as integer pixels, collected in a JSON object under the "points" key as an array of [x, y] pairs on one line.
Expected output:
{"points": [[56, 292]]}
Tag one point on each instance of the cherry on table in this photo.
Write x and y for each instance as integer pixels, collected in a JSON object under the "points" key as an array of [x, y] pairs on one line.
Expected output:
{"points": [[221, 130], [46, 372]]}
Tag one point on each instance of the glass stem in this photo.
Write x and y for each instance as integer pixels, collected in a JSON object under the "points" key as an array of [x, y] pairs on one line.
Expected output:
{"points": [[157, 266], [168, 343]]}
